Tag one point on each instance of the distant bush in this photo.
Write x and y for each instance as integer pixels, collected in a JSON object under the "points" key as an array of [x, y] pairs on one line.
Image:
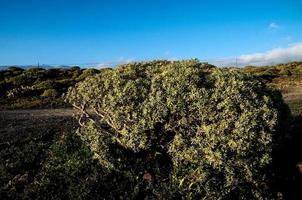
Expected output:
{"points": [[30, 84], [65, 83], [86, 73], [21, 92], [18, 80], [297, 70], [43, 85], [35, 69], [181, 129], [292, 68], [75, 68], [76, 73], [51, 93], [51, 73], [15, 69]]}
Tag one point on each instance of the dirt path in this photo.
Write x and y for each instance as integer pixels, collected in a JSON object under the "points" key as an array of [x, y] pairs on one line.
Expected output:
{"points": [[292, 93], [39, 113], [16, 124]]}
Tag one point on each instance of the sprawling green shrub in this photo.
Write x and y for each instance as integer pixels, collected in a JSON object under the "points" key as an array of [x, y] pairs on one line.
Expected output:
{"points": [[186, 128]]}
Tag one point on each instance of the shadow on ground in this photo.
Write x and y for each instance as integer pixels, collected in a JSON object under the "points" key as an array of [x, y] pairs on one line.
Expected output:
{"points": [[288, 163]]}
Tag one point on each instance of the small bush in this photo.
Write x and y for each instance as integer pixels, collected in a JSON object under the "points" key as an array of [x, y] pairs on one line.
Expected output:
{"points": [[44, 85], [18, 80], [86, 73], [21, 92], [15, 69], [50, 93]]}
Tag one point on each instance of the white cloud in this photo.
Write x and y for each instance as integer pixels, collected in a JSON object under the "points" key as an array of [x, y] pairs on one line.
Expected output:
{"points": [[273, 26], [102, 65], [278, 55], [118, 61], [273, 56]]}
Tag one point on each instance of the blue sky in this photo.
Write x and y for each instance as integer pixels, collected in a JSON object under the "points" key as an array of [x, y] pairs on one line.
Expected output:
{"points": [[100, 32]]}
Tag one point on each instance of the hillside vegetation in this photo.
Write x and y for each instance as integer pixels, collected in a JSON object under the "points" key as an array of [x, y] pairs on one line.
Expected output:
{"points": [[38, 87], [153, 130], [43, 88], [285, 77]]}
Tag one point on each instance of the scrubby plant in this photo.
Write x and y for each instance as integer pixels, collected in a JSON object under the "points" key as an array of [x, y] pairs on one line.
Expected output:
{"points": [[52, 73], [44, 85], [288, 69], [195, 131], [15, 69], [297, 70], [20, 91], [19, 85], [51, 93], [86, 73], [18, 80]]}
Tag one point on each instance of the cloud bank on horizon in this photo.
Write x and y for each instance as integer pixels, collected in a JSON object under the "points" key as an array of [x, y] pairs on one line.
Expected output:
{"points": [[273, 56]]}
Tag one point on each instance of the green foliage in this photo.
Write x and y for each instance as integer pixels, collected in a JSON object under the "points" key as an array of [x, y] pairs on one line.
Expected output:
{"points": [[27, 103], [86, 73], [18, 80], [51, 93], [51, 73], [20, 91], [44, 85], [17, 163], [19, 86], [35, 69], [289, 69], [13, 68], [214, 128], [68, 172], [59, 168]]}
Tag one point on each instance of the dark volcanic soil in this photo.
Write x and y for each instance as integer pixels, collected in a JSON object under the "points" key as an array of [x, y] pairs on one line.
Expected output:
{"points": [[18, 124]]}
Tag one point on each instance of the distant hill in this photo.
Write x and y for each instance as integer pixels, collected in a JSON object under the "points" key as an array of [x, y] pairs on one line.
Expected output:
{"points": [[4, 67]]}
